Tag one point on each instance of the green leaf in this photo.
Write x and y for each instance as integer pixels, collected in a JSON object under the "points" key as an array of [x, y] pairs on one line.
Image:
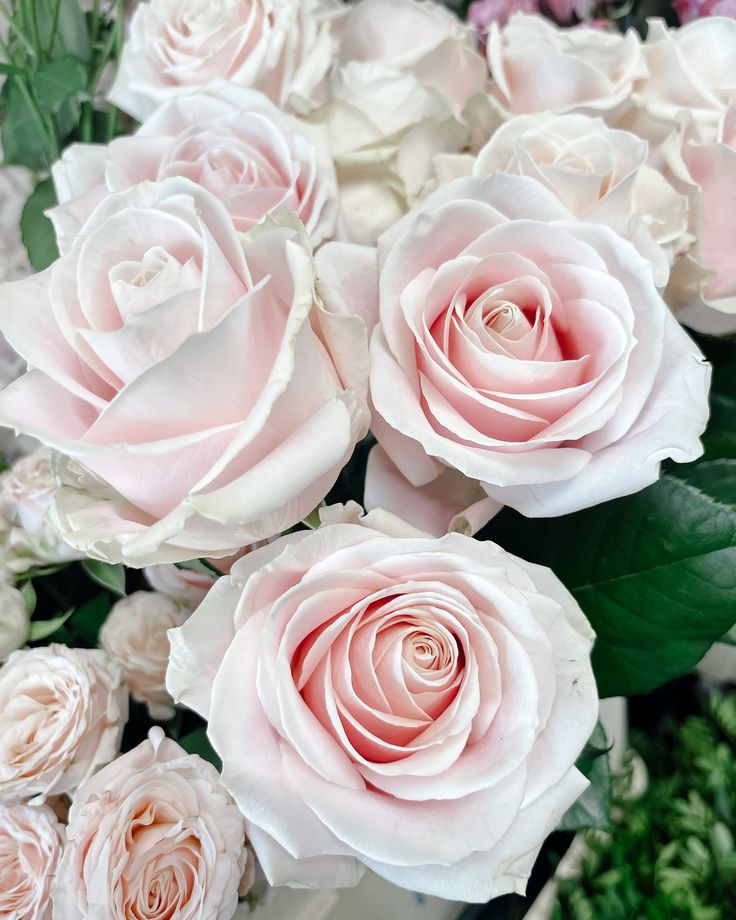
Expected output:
{"points": [[36, 229], [107, 575], [42, 629], [655, 573], [199, 565], [25, 140], [197, 742], [593, 808], [56, 82], [88, 619], [72, 33], [29, 596], [40, 572]]}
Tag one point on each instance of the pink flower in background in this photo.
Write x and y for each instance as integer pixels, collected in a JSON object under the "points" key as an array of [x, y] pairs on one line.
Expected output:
{"points": [[539, 67], [154, 830], [31, 843], [529, 351], [375, 695], [135, 634], [703, 284], [481, 13], [232, 141], [189, 586], [694, 9], [565, 11], [206, 397]]}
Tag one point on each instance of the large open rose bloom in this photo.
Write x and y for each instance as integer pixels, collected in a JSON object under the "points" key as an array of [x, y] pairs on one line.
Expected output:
{"points": [[206, 397], [62, 712], [31, 842], [529, 351], [536, 67], [153, 834], [381, 698], [282, 47], [230, 140]]}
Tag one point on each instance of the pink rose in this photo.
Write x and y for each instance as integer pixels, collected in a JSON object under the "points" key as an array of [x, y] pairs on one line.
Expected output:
{"points": [[230, 140], [62, 712], [282, 47], [152, 834], [418, 37], [135, 634], [481, 13], [31, 842], [528, 351], [690, 70], [376, 694], [599, 173], [537, 66], [205, 396], [703, 284], [693, 9], [565, 11]]}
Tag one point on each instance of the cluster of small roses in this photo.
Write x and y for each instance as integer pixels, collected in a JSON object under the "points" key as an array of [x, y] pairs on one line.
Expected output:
{"points": [[334, 218]]}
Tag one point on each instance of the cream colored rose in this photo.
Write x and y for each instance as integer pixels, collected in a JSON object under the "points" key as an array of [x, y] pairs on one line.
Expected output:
{"points": [[31, 843], [690, 70], [26, 494], [15, 621], [539, 67], [282, 47], [135, 635], [62, 712], [397, 99], [153, 834], [599, 173]]}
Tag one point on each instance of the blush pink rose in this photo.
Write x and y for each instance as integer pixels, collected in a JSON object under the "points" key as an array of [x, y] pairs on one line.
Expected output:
{"points": [[481, 13], [153, 834], [230, 140], [703, 284], [62, 712], [282, 47], [31, 843], [375, 694], [537, 67], [691, 70], [204, 395], [528, 351]]}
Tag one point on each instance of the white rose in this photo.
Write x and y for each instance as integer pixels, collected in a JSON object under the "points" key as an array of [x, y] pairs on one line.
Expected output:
{"points": [[26, 493], [15, 621], [31, 843], [62, 712], [186, 585], [282, 47], [152, 834], [135, 635], [599, 173]]}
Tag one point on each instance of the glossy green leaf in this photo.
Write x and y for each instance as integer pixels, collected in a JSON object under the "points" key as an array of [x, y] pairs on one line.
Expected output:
{"points": [[655, 572], [88, 619]]}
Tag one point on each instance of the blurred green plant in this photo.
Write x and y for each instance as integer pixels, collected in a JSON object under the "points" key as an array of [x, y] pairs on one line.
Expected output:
{"points": [[54, 58], [671, 853]]}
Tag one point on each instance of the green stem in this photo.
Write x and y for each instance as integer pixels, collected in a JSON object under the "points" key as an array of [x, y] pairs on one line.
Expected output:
{"points": [[17, 31], [33, 19], [54, 28], [86, 125]]}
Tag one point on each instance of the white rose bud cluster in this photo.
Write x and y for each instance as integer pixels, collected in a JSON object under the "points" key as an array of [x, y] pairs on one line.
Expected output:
{"points": [[135, 635]]}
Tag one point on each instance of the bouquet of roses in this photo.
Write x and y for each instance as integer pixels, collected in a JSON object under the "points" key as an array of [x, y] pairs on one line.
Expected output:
{"points": [[361, 445]]}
